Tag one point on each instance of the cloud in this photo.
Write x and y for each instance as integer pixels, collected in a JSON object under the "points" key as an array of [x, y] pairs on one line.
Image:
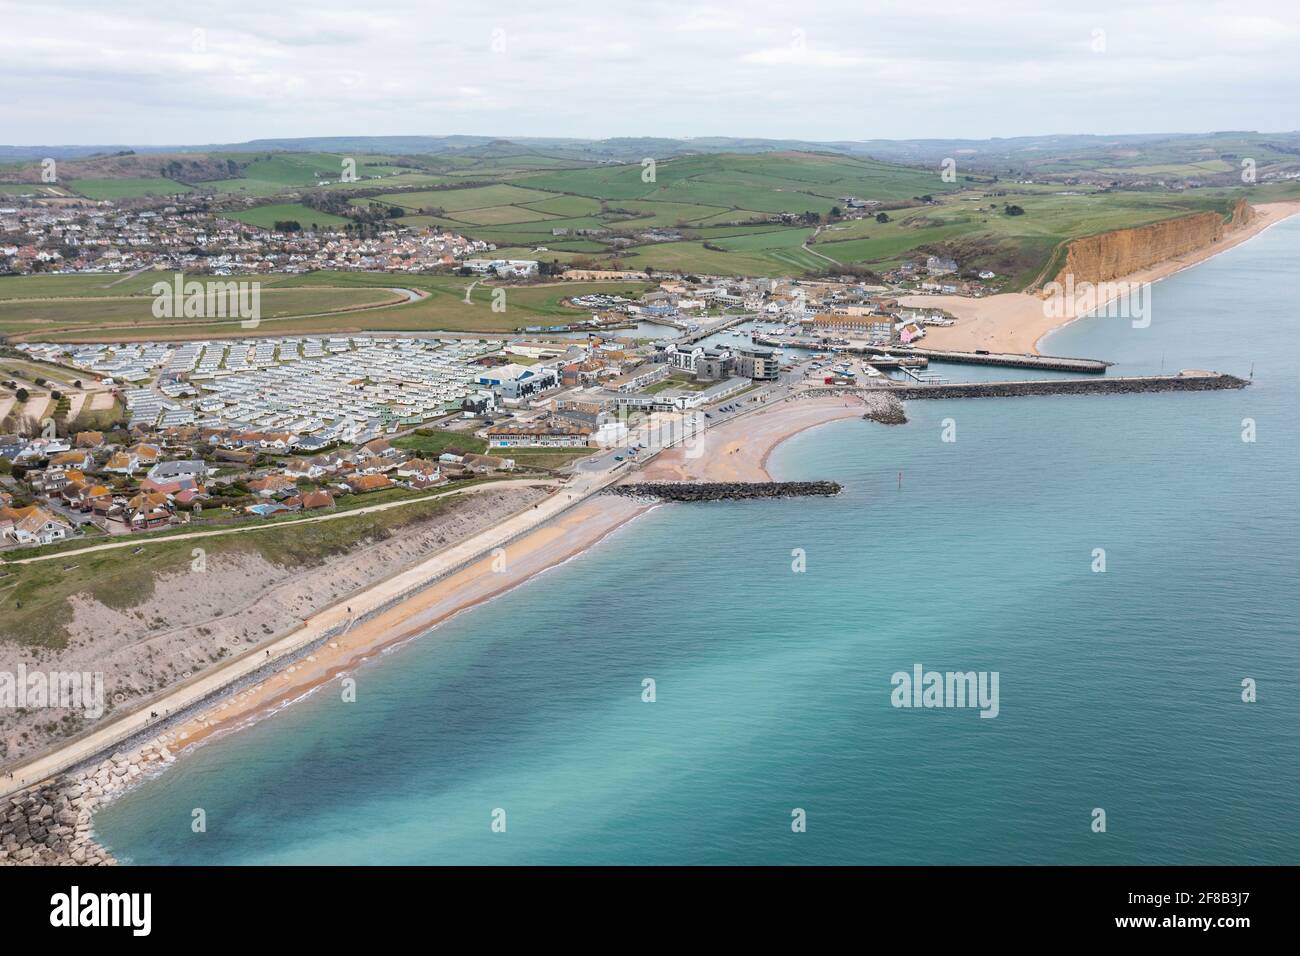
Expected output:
{"points": [[829, 69], [800, 54]]}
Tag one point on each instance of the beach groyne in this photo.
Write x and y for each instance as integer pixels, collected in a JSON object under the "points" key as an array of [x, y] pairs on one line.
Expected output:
{"points": [[1182, 382], [724, 490]]}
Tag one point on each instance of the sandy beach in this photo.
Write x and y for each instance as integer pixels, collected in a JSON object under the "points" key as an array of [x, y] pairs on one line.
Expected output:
{"points": [[735, 451], [739, 449], [1017, 321], [548, 546]]}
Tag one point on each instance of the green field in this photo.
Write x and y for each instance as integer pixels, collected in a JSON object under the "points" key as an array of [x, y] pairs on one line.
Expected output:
{"points": [[32, 189], [456, 200], [974, 227], [291, 304], [130, 314], [128, 188], [747, 213], [268, 216]]}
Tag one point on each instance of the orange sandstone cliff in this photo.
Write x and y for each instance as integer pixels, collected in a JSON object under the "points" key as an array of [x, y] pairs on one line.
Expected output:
{"points": [[1110, 255]]}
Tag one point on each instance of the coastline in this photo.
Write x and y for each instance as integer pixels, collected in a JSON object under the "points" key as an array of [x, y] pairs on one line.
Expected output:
{"points": [[239, 696], [553, 543], [737, 450], [1015, 322]]}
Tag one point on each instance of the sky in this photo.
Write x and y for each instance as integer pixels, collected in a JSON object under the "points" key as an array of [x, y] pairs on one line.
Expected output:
{"points": [[140, 72]]}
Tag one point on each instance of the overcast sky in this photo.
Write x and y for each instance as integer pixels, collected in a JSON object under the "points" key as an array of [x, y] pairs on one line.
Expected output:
{"points": [[146, 72]]}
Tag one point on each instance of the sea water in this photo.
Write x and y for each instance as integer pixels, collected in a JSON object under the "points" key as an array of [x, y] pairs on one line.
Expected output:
{"points": [[520, 732]]}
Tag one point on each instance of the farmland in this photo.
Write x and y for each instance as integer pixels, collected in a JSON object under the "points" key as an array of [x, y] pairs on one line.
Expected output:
{"points": [[67, 308], [268, 216], [127, 188], [777, 213]]}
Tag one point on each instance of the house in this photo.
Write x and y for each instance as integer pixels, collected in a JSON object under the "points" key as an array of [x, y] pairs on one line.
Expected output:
{"points": [[419, 469], [37, 448], [489, 463], [82, 495], [236, 455], [313, 500], [909, 332], [261, 441], [361, 484], [311, 468], [546, 433], [122, 463], [89, 439], [148, 509], [166, 471], [272, 486], [54, 480], [33, 525], [81, 460], [377, 448], [145, 454]]}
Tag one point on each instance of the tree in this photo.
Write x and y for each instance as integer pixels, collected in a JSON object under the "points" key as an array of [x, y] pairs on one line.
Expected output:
{"points": [[1014, 211], [882, 217], [22, 396], [835, 212]]}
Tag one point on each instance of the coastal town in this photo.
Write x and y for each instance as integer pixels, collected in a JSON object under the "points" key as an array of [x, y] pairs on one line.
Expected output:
{"points": [[128, 437]]}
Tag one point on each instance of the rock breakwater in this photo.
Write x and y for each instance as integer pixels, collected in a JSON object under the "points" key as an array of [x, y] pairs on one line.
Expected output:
{"points": [[724, 490]]}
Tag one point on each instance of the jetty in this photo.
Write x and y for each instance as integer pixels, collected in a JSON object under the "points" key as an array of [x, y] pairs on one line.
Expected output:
{"points": [[1053, 363], [1187, 381]]}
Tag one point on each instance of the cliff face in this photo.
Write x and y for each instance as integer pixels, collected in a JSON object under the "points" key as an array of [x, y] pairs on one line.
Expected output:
{"points": [[1111, 255]]}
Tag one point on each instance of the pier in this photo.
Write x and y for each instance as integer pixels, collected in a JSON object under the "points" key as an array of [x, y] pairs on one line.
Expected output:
{"points": [[1055, 363], [1182, 382]]}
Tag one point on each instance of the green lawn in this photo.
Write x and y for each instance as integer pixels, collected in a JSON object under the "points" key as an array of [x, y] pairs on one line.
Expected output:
{"points": [[128, 188], [431, 442]]}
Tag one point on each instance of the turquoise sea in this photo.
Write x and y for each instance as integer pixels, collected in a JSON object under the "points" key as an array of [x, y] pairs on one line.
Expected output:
{"points": [[1119, 690]]}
